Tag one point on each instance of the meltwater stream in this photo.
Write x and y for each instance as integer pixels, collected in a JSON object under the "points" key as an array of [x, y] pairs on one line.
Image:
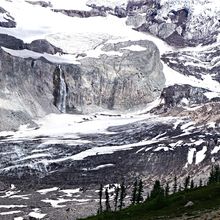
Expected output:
{"points": [[61, 104]]}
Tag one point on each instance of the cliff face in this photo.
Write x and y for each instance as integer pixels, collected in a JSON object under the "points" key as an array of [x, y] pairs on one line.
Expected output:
{"points": [[36, 87]]}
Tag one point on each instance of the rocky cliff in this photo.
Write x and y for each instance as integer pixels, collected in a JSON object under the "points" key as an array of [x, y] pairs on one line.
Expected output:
{"points": [[33, 87]]}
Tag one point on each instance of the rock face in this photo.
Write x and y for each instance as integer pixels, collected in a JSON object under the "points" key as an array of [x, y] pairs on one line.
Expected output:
{"points": [[122, 78], [124, 81], [179, 23], [42, 46], [39, 46], [183, 95]]}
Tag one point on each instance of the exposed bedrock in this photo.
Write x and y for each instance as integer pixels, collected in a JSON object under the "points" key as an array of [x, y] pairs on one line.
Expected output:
{"points": [[39, 46], [34, 88], [183, 95], [176, 22]]}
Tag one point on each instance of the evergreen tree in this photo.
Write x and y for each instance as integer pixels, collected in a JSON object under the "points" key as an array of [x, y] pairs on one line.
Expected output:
{"points": [[122, 196], [167, 190], [116, 197], [192, 184], [214, 175], [140, 192], [217, 174], [107, 204], [100, 199], [186, 183], [134, 193], [175, 185], [157, 190], [200, 183]]}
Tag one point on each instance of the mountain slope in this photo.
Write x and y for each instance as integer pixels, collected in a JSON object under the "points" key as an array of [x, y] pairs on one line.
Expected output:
{"points": [[139, 82]]}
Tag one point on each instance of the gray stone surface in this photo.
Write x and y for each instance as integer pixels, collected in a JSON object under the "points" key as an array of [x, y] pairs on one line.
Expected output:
{"points": [[127, 81]]}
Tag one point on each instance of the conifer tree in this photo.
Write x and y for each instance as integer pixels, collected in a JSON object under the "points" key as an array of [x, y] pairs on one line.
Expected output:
{"points": [[200, 183], [100, 199], [186, 183], [134, 193], [122, 196], [192, 184], [107, 203], [157, 190], [175, 185], [116, 197], [167, 189], [140, 192]]}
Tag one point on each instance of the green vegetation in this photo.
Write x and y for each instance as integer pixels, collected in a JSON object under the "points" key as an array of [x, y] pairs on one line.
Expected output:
{"points": [[161, 204], [207, 197]]}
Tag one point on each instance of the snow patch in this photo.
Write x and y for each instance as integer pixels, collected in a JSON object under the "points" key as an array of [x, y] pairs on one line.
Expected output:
{"points": [[45, 191], [135, 48], [200, 155]]}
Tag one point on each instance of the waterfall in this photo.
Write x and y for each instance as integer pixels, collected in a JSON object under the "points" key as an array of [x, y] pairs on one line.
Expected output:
{"points": [[61, 101]]}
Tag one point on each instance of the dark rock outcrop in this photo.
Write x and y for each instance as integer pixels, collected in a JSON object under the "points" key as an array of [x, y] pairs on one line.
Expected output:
{"points": [[39, 46], [11, 42], [43, 46], [174, 95], [81, 14]]}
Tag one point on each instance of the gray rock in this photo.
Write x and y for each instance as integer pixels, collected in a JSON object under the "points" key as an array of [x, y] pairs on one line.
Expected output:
{"points": [[189, 204], [41, 3], [174, 95], [43, 46], [127, 81], [11, 42], [40, 46], [123, 82], [81, 14], [136, 20]]}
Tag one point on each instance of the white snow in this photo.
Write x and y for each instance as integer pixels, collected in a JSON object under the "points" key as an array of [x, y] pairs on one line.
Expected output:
{"points": [[187, 125], [9, 213], [37, 215], [199, 142], [135, 48], [70, 192], [24, 197], [12, 206], [200, 155], [13, 187], [143, 148], [9, 194], [215, 150], [147, 149], [72, 125], [162, 148], [52, 58], [190, 155], [173, 77], [55, 203], [108, 3], [103, 166], [45, 191], [18, 218], [211, 95]]}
